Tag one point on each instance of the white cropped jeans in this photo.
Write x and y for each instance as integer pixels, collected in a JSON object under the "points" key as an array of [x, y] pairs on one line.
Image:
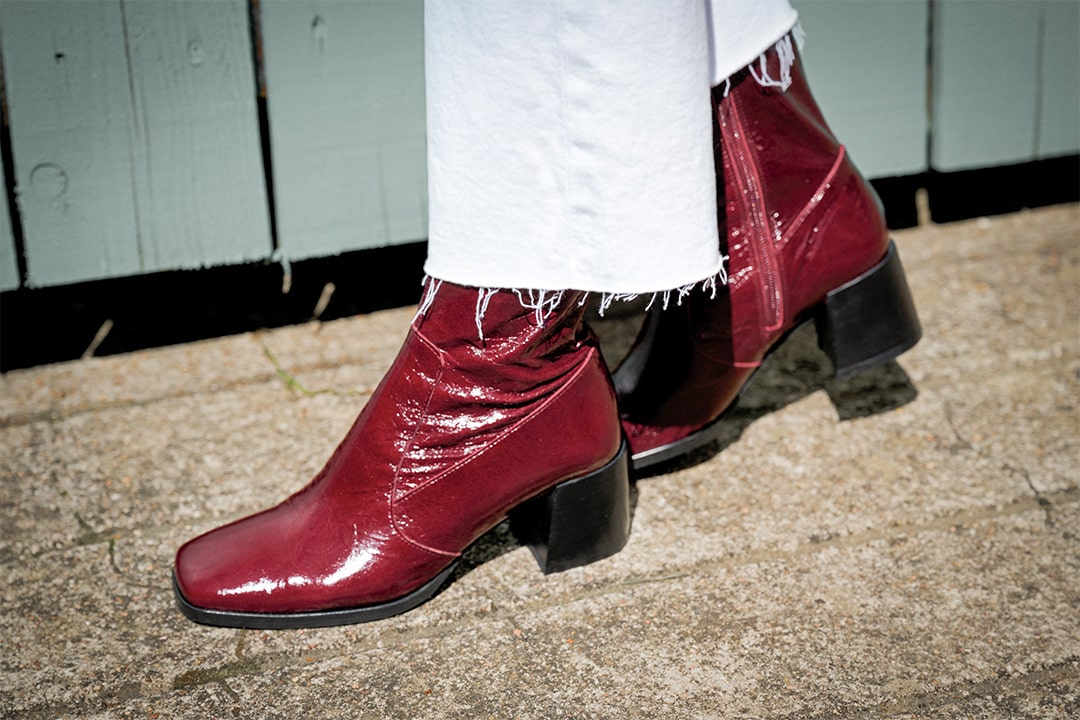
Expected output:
{"points": [[570, 141]]}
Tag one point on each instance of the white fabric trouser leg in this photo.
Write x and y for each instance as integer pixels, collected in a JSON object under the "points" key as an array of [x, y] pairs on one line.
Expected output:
{"points": [[570, 142]]}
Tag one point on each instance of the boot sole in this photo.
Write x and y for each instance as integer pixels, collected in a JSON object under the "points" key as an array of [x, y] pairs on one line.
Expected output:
{"points": [[576, 522], [863, 323], [322, 618]]}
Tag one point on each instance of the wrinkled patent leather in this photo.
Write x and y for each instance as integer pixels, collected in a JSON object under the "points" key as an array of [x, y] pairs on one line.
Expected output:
{"points": [[460, 431], [797, 221]]}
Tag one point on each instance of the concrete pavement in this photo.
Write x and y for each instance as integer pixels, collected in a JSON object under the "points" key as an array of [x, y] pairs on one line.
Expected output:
{"points": [[902, 545]]}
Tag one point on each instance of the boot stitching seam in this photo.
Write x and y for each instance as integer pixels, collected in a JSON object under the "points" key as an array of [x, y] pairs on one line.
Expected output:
{"points": [[392, 506], [815, 200], [576, 375]]}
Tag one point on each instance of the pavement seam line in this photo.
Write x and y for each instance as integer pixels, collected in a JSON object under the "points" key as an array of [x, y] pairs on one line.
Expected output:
{"points": [[246, 665]]}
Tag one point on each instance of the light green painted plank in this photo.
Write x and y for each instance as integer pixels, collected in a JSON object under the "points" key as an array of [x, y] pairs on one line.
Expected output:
{"points": [[135, 136], [198, 169], [9, 268], [69, 105], [1059, 113], [866, 62], [985, 83], [345, 91]]}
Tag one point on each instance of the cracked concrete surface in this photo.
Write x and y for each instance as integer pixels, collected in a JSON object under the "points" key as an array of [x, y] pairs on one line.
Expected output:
{"points": [[904, 544]]}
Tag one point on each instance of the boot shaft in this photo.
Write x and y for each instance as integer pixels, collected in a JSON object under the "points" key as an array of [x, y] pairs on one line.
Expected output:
{"points": [[800, 218], [797, 221], [484, 326], [533, 389], [475, 363]]}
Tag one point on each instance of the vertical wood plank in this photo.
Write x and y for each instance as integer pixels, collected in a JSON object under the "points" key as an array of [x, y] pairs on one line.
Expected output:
{"points": [[69, 105], [1059, 111], [199, 178], [135, 136], [9, 268], [985, 80], [866, 62], [345, 91]]}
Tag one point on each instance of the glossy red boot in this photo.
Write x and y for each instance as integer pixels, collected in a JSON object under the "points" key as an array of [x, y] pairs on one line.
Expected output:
{"points": [[806, 239], [461, 432]]}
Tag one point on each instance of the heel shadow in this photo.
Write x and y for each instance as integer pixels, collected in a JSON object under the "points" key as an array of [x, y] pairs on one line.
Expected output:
{"points": [[500, 540], [872, 391], [795, 369]]}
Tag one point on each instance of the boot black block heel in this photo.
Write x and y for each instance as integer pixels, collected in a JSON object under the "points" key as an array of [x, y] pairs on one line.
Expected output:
{"points": [[578, 521], [870, 320]]}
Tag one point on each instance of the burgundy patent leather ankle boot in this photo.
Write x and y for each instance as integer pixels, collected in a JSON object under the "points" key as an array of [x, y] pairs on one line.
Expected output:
{"points": [[806, 238], [463, 430]]}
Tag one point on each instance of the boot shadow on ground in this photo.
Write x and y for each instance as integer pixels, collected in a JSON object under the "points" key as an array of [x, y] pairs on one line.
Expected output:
{"points": [[795, 369], [500, 540]]}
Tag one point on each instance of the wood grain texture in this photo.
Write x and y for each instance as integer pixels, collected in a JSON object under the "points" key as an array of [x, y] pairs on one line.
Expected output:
{"points": [[136, 140], [345, 91], [134, 135], [69, 103], [198, 169], [866, 62]]}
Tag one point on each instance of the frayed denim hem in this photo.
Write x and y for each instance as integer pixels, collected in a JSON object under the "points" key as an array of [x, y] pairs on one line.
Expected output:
{"points": [[545, 302]]}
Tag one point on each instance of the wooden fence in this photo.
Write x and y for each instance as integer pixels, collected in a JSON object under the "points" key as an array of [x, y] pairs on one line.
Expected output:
{"points": [[151, 135]]}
